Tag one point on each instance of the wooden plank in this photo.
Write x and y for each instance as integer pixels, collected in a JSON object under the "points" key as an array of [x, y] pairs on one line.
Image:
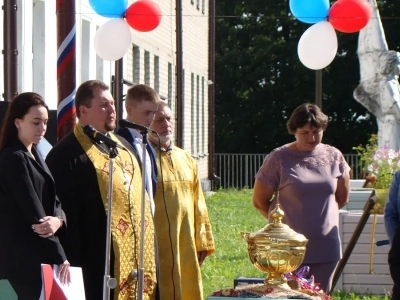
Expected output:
{"points": [[367, 289], [379, 269], [379, 227], [354, 206], [356, 277], [365, 249], [357, 193], [370, 279], [356, 258], [366, 238], [357, 200], [353, 217], [356, 183], [357, 232], [353, 214]]}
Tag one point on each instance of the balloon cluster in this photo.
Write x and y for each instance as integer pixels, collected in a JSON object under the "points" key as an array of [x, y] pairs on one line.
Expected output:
{"points": [[113, 38], [318, 45]]}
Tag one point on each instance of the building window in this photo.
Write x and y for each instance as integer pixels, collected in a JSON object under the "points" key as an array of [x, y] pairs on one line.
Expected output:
{"points": [[192, 117], [191, 1], [147, 67], [203, 6], [171, 101], [203, 117], [157, 73], [136, 64], [198, 4]]}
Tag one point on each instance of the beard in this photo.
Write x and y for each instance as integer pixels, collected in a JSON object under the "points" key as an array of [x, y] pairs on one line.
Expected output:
{"points": [[166, 139], [110, 126]]}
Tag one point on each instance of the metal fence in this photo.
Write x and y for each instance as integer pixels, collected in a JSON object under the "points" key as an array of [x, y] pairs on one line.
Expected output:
{"points": [[238, 170]]}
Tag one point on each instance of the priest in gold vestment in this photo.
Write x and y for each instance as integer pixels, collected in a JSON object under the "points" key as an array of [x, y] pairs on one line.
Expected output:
{"points": [[80, 167], [182, 225]]}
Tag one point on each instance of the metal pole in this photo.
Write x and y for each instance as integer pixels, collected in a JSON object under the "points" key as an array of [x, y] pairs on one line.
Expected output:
{"points": [[118, 88], [179, 77], [108, 282], [211, 93], [10, 51], [142, 219], [318, 88], [66, 67]]}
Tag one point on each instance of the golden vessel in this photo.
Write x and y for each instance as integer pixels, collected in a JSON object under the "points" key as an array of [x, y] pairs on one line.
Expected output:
{"points": [[276, 249]]}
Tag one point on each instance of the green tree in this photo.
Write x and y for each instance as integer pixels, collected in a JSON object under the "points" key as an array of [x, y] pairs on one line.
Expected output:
{"points": [[260, 79]]}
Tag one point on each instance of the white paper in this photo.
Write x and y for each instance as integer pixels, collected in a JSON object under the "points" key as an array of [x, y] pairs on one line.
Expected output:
{"points": [[75, 290]]}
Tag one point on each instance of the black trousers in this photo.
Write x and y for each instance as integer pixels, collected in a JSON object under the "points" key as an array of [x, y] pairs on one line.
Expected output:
{"points": [[395, 294]]}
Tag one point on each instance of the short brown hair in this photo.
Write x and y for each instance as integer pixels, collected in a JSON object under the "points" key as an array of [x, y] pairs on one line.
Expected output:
{"points": [[304, 114], [84, 94], [141, 92]]}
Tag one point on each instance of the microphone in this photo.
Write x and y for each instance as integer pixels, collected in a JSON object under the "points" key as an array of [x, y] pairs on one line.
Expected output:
{"points": [[93, 133], [126, 124]]}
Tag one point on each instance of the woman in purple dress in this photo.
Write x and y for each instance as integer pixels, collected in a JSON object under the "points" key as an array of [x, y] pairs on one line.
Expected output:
{"points": [[313, 183]]}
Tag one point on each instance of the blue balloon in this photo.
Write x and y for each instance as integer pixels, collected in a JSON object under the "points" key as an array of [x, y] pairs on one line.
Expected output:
{"points": [[109, 8], [309, 11]]}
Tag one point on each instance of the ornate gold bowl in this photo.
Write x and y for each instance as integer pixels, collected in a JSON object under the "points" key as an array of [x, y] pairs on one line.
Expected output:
{"points": [[276, 249]]}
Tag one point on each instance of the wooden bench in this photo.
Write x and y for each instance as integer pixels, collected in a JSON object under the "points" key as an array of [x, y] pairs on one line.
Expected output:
{"points": [[356, 275]]}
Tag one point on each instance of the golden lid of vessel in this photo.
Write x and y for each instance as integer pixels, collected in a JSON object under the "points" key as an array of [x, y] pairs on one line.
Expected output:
{"points": [[276, 249]]}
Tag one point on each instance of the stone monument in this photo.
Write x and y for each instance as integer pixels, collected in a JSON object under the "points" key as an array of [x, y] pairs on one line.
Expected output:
{"points": [[378, 90]]}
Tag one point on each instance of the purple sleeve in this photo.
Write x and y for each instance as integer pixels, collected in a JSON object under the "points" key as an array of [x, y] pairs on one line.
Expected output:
{"points": [[343, 165], [269, 173]]}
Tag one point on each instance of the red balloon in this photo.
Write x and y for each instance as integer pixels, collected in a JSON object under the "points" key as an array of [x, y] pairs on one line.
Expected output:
{"points": [[143, 15], [349, 15]]}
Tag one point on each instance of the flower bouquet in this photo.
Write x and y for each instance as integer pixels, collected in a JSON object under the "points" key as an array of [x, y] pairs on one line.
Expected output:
{"points": [[380, 164], [384, 164]]}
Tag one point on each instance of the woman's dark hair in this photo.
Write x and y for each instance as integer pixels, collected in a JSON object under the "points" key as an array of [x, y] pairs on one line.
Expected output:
{"points": [[17, 109], [307, 113]]}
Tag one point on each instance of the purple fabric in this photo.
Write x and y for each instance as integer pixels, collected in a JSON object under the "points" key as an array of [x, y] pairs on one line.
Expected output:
{"points": [[307, 183]]}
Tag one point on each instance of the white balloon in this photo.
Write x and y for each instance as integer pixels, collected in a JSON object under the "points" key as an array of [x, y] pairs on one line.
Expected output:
{"points": [[318, 46], [112, 39]]}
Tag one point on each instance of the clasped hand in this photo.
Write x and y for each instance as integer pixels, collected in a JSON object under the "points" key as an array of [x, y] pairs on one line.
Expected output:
{"points": [[47, 227]]}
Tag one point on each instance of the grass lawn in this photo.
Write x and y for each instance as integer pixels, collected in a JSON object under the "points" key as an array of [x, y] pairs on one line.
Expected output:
{"points": [[231, 212]]}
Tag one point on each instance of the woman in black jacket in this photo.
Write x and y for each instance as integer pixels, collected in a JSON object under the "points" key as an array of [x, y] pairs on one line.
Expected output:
{"points": [[30, 213]]}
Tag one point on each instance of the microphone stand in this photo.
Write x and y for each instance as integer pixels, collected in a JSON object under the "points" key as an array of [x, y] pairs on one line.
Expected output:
{"points": [[142, 217], [108, 282]]}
